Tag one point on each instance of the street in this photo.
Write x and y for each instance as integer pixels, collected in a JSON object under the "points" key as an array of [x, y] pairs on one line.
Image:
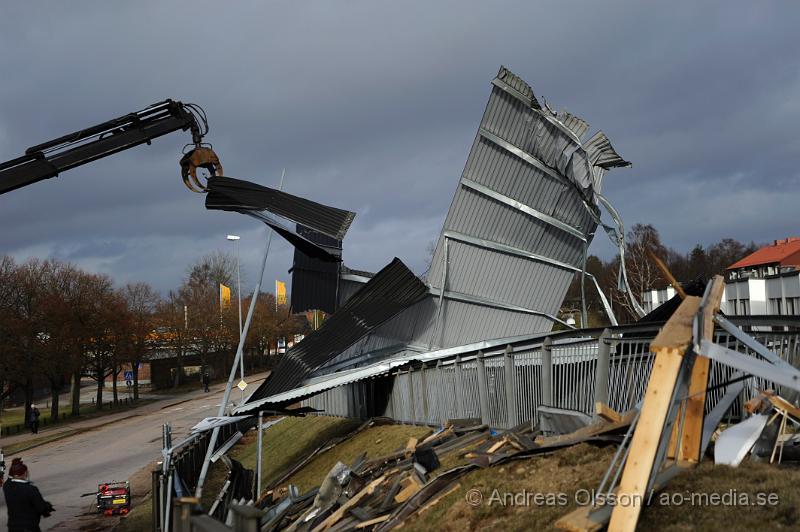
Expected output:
{"points": [[64, 470]]}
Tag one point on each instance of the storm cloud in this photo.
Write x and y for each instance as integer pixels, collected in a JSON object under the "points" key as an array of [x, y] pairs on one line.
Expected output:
{"points": [[372, 107]]}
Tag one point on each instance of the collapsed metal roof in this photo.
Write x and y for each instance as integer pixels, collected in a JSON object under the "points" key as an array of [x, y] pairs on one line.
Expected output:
{"points": [[392, 289], [523, 215], [227, 193]]}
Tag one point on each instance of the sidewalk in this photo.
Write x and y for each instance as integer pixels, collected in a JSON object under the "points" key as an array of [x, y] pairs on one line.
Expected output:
{"points": [[160, 403]]}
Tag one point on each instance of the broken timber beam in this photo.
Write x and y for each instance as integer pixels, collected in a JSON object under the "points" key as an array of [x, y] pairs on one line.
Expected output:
{"points": [[692, 434], [669, 347]]}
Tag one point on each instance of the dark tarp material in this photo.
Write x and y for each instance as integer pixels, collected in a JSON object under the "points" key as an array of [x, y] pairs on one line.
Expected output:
{"points": [[315, 281], [229, 194], [392, 290]]}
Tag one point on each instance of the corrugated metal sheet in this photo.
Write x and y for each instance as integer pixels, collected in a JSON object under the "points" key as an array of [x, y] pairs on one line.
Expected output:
{"points": [[299, 242], [533, 157], [314, 281], [528, 184], [227, 193], [392, 289]]}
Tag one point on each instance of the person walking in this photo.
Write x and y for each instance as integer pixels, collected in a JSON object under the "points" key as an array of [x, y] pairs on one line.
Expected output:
{"points": [[34, 419], [206, 380], [25, 503]]}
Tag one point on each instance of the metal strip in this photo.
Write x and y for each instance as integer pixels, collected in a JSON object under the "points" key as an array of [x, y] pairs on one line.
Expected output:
{"points": [[584, 317], [503, 86], [503, 248], [751, 365], [226, 446], [439, 310], [354, 278], [466, 298], [752, 343], [522, 154], [530, 211]]}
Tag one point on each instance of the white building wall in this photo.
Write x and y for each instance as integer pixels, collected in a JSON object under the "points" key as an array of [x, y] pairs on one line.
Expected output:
{"points": [[761, 295]]}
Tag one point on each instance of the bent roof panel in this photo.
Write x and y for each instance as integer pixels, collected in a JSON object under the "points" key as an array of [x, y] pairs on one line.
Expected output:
{"points": [[227, 193], [392, 289]]}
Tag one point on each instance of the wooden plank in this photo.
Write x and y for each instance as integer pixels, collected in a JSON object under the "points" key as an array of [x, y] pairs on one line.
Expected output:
{"points": [[782, 404], [409, 490], [673, 450], [647, 435], [338, 514], [411, 446], [375, 521], [497, 445], [668, 274], [677, 332], [692, 434], [607, 413]]}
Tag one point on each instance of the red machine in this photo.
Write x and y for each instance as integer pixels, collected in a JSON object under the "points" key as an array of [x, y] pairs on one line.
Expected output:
{"points": [[114, 498]]}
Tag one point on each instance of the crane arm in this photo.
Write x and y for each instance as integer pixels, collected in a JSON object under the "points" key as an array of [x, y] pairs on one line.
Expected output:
{"points": [[69, 151]]}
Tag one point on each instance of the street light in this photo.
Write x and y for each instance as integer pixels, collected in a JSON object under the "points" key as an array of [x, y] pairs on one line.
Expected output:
{"points": [[235, 239]]}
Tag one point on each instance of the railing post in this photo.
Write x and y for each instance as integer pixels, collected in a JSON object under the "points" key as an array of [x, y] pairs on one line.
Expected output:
{"points": [[441, 393], [424, 383], [411, 397], [459, 388], [483, 388], [601, 373], [547, 372], [246, 518], [511, 388]]}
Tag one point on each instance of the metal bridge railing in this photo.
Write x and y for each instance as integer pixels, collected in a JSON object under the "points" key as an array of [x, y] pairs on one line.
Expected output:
{"points": [[505, 387]]}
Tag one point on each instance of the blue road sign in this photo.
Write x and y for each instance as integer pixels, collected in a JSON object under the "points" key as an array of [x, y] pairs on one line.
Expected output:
{"points": [[129, 375]]}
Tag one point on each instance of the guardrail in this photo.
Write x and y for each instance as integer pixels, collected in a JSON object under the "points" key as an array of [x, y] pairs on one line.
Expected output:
{"points": [[177, 475], [505, 386]]}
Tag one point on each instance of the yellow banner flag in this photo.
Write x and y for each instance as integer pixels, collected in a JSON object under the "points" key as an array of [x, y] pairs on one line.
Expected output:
{"points": [[224, 296], [280, 293]]}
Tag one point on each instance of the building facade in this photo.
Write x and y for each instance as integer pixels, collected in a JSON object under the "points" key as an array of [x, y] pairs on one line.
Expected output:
{"points": [[765, 282]]}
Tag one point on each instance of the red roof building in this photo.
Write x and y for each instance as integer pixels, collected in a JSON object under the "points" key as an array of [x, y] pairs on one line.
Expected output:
{"points": [[782, 255]]}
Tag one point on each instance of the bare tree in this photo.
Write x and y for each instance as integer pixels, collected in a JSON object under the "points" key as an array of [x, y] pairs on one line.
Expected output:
{"points": [[172, 330], [142, 302], [209, 330]]}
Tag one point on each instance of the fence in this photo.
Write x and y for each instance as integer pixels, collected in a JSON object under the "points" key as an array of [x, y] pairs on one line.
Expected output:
{"points": [[505, 386], [178, 475]]}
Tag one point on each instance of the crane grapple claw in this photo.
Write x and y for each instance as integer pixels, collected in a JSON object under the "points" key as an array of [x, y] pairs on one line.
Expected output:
{"points": [[199, 157]]}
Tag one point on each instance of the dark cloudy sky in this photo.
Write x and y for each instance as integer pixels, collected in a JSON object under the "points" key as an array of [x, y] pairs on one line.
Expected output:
{"points": [[372, 106]]}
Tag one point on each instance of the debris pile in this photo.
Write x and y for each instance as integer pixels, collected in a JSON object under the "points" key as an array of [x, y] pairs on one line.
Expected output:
{"points": [[380, 494]]}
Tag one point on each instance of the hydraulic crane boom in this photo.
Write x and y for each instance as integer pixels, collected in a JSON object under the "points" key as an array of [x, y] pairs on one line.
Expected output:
{"points": [[51, 158]]}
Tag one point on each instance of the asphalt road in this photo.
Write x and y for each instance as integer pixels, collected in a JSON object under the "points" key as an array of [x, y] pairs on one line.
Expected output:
{"points": [[66, 469]]}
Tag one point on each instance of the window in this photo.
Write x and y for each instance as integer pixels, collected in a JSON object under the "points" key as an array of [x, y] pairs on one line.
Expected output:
{"points": [[792, 306], [744, 306], [775, 306]]}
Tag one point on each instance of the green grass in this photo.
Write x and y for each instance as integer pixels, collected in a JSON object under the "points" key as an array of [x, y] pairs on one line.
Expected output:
{"points": [[565, 471], [289, 441], [87, 411], [748, 479], [582, 466], [376, 441], [35, 442]]}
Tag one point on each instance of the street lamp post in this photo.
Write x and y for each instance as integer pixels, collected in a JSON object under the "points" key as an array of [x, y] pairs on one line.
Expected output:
{"points": [[235, 239]]}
